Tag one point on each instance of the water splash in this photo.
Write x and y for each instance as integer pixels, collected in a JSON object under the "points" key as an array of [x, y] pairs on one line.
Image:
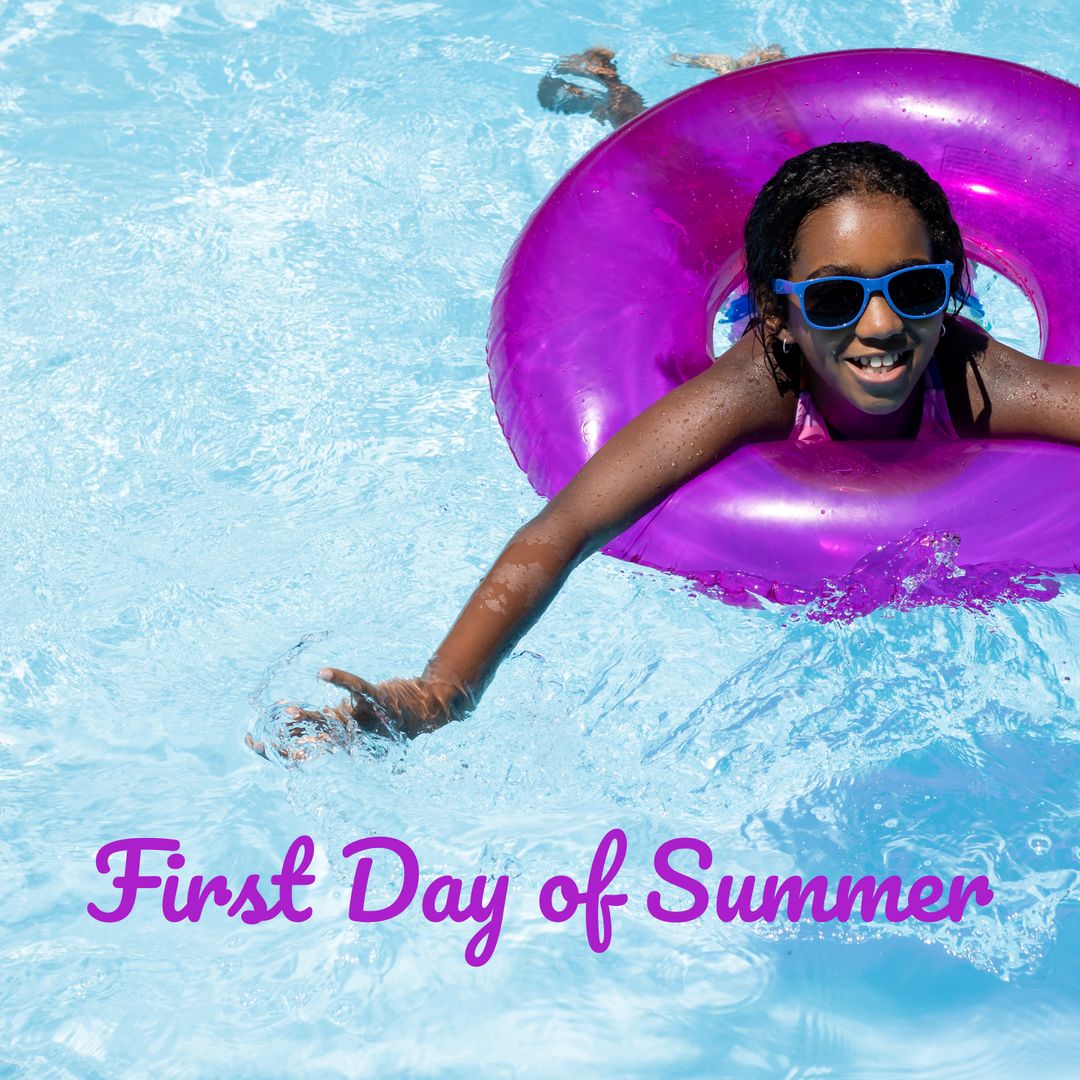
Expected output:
{"points": [[318, 730], [917, 570], [259, 698], [921, 569], [288, 739]]}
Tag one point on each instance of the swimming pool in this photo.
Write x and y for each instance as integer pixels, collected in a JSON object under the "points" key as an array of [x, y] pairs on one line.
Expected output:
{"points": [[248, 253]]}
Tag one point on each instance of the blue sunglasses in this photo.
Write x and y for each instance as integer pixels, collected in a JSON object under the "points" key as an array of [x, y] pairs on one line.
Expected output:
{"points": [[833, 303]]}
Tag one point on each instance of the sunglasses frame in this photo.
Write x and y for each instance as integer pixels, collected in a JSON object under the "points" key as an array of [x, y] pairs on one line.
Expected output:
{"points": [[870, 287]]}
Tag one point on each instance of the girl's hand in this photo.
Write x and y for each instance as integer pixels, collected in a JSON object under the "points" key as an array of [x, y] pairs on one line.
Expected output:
{"points": [[406, 707]]}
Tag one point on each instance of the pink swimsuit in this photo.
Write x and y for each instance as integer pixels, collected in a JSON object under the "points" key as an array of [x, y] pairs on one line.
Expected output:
{"points": [[936, 422]]}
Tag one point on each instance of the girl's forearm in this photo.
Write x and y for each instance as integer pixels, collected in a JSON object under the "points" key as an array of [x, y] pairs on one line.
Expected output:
{"points": [[676, 438], [512, 596]]}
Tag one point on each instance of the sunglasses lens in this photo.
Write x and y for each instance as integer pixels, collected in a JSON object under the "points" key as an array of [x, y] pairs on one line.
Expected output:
{"points": [[832, 303], [919, 292]]}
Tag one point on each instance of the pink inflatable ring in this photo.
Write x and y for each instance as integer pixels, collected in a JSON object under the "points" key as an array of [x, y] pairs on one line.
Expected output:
{"points": [[608, 298]]}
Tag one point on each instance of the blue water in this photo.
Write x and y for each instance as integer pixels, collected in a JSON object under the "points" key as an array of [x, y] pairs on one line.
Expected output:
{"points": [[247, 250]]}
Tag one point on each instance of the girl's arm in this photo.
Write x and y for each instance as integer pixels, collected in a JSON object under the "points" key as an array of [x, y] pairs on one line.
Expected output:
{"points": [[1006, 394], [735, 401]]}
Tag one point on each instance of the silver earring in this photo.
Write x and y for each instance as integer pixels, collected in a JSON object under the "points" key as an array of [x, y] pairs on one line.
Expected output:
{"points": [[785, 345], [942, 334]]}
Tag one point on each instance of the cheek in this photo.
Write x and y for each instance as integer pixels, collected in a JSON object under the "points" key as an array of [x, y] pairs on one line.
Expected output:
{"points": [[811, 338], [926, 338], [821, 345]]}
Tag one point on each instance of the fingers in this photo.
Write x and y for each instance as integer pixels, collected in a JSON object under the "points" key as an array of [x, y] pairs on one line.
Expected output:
{"points": [[298, 749], [337, 677], [369, 704], [303, 732], [301, 719], [286, 753], [258, 746], [334, 724]]}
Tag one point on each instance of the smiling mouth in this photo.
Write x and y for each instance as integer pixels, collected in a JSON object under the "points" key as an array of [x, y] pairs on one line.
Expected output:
{"points": [[882, 367]]}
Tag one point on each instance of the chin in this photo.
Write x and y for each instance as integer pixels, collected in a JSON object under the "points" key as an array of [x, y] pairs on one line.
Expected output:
{"points": [[879, 406], [886, 398]]}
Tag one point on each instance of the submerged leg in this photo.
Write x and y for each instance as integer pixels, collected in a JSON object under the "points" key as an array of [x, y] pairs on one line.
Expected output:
{"points": [[722, 64], [558, 95], [613, 102], [596, 63]]}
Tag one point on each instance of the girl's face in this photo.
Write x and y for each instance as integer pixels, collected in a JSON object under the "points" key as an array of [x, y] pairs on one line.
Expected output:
{"points": [[863, 236]]}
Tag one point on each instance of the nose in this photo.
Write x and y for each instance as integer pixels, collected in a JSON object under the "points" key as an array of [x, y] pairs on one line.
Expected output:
{"points": [[879, 322]]}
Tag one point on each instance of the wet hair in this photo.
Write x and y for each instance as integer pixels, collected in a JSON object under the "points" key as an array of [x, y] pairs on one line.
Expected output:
{"points": [[810, 181]]}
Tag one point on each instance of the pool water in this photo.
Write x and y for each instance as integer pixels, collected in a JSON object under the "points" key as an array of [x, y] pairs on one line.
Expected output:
{"points": [[247, 250]]}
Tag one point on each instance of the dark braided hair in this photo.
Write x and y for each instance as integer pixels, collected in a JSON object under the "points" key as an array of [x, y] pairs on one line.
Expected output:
{"points": [[810, 181]]}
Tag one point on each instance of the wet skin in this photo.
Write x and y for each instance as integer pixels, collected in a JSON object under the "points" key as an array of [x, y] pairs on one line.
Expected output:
{"points": [[993, 391], [864, 236]]}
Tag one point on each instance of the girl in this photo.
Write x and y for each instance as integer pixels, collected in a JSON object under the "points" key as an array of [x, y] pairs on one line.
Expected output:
{"points": [[852, 258]]}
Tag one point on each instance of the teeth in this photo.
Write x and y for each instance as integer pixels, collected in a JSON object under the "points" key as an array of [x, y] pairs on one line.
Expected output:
{"points": [[876, 362]]}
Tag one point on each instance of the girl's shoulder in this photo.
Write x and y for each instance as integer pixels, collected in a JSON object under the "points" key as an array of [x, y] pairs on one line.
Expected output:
{"points": [[995, 391], [745, 373]]}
